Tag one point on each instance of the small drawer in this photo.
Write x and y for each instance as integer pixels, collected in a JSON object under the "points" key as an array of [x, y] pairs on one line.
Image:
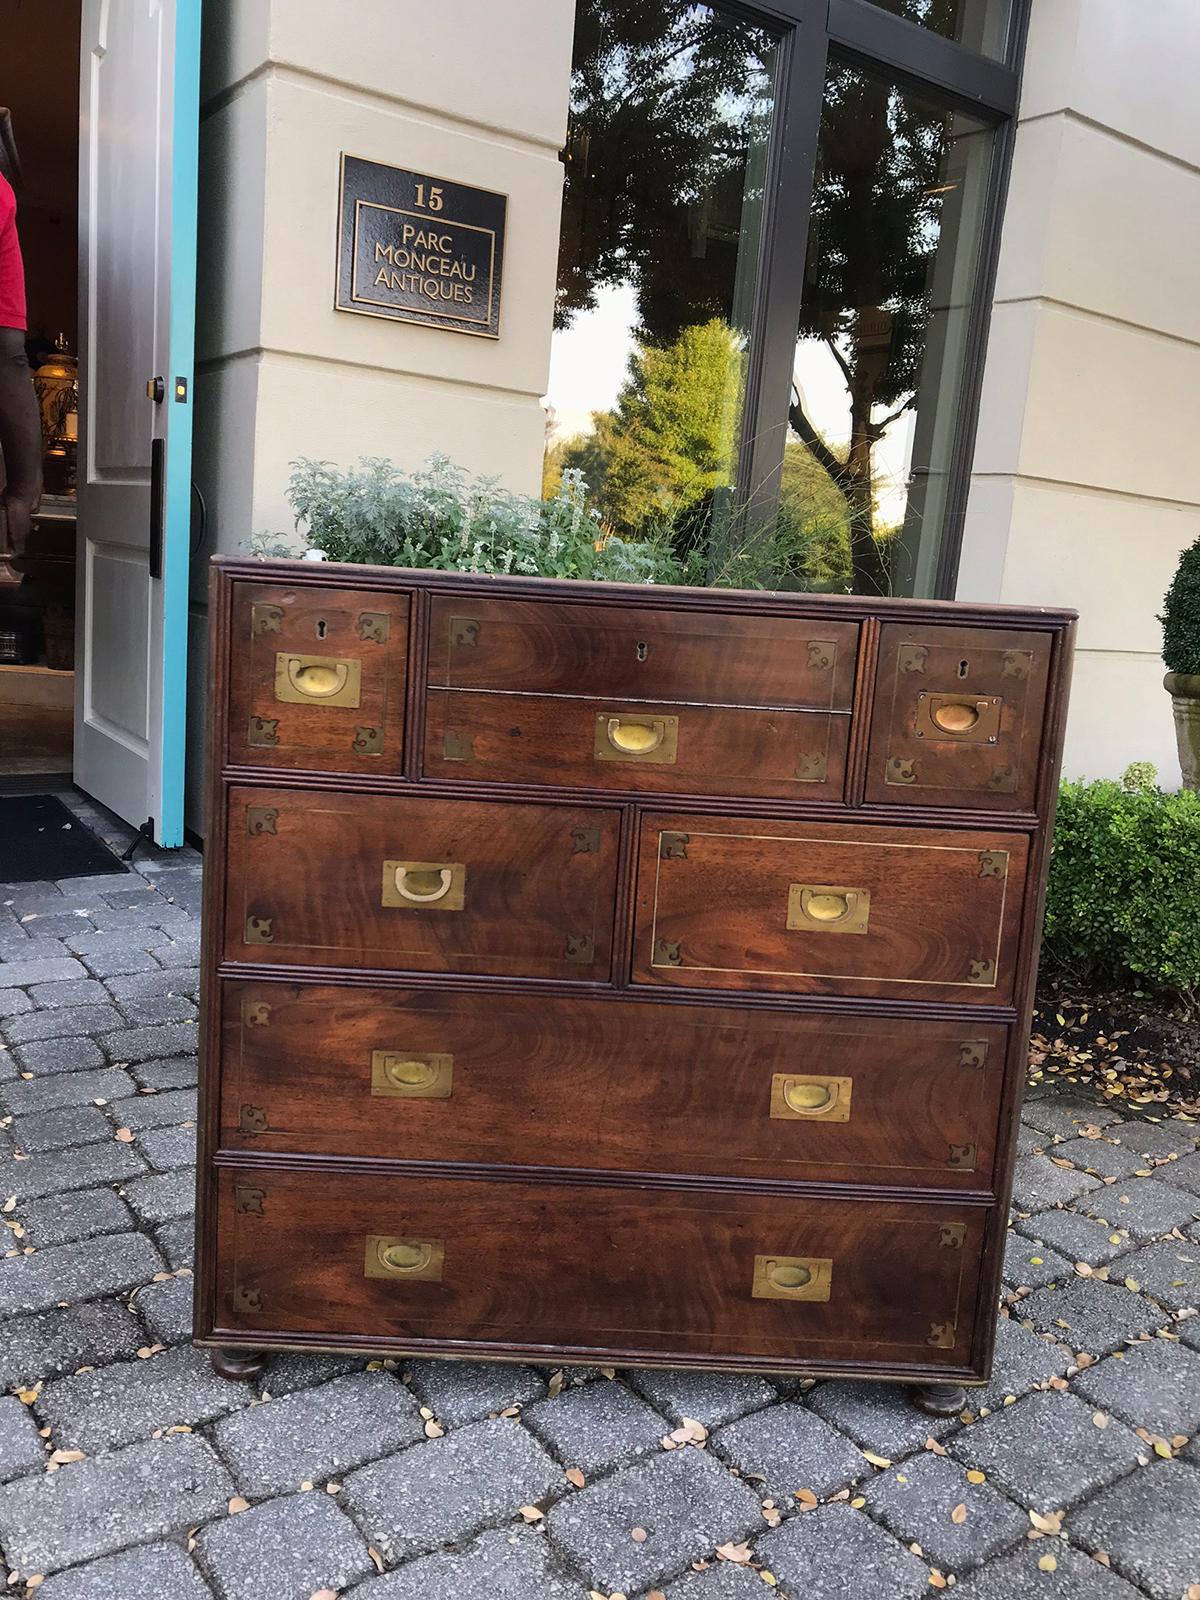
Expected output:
{"points": [[317, 678], [647, 747], [414, 883], [627, 653], [445, 1263], [958, 717], [613, 1085], [829, 908]]}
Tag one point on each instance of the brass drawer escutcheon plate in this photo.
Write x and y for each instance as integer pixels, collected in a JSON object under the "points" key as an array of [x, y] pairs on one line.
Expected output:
{"points": [[802, 1097], [792, 1278], [633, 736], [407, 1076], [416, 1259], [317, 680], [971, 719]]}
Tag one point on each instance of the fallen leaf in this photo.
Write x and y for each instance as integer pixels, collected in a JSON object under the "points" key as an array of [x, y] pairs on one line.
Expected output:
{"points": [[10, 1204], [375, 1557], [532, 1513], [858, 1502], [333, 1488], [237, 1504], [768, 1578], [1051, 1523], [1100, 1419], [125, 1135], [975, 1476], [876, 1461], [324, 1594], [433, 1430], [806, 1498], [1162, 1448], [1047, 1563], [576, 1477], [555, 1386], [1105, 1560], [936, 1579], [656, 1594], [28, 1396], [739, 1553], [63, 1457], [1083, 1269], [638, 1535], [959, 1514], [938, 1449]]}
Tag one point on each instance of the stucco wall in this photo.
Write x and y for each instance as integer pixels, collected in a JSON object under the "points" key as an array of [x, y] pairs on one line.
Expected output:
{"points": [[1087, 473]]}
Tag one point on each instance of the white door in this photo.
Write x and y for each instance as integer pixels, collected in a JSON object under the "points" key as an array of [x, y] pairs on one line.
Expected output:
{"points": [[137, 247]]}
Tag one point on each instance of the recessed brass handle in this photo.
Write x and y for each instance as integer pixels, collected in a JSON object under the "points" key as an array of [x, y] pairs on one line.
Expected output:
{"points": [[318, 682], [391, 1257], [412, 1077], [636, 738], [412, 884], [829, 907], [440, 885], [956, 716], [632, 736], [975, 719], [792, 1278], [321, 680], [806, 1097]]}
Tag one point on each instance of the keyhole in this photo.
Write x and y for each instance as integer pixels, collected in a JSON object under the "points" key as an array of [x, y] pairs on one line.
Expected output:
{"points": [[963, 667], [320, 627], [643, 650]]}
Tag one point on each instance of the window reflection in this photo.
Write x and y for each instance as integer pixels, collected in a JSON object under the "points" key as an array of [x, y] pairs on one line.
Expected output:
{"points": [[978, 24]]}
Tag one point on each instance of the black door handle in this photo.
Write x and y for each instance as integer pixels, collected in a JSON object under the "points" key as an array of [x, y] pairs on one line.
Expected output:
{"points": [[158, 508]]}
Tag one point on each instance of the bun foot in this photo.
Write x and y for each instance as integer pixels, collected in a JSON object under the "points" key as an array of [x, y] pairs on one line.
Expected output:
{"points": [[940, 1399], [238, 1365]]}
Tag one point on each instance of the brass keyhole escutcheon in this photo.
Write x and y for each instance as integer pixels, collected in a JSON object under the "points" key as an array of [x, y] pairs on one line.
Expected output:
{"points": [[956, 717], [784, 1277], [808, 1096]]}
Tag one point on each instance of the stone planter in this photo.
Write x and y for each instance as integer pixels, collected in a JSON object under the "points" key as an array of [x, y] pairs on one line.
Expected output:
{"points": [[1184, 689]]}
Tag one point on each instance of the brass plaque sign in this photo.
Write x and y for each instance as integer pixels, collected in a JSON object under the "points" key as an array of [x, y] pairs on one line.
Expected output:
{"points": [[419, 248]]}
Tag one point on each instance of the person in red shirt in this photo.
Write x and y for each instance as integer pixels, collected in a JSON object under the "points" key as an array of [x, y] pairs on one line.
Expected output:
{"points": [[20, 420]]}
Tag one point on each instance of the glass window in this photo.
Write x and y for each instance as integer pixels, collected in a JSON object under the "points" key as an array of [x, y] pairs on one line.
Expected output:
{"points": [[893, 247], [670, 116], [978, 24]]}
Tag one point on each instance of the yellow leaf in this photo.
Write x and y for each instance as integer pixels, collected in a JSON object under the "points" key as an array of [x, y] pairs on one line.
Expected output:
{"points": [[237, 1504], [1162, 1448], [858, 1502], [1132, 1285], [876, 1461], [576, 1477], [959, 1514], [975, 1476], [28, 1396], [1047, 1563], [768, 1578]]}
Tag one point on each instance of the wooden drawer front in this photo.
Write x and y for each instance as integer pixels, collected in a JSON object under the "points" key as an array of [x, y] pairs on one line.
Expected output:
{"points": [[421, 884], [613, 1085], [523, 1266], [745, 903], [656, 747], [706, 657], [317, 678], [958, 717]]}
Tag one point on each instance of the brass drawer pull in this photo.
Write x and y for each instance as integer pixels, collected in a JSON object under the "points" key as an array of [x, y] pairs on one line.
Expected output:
{"points": [[803, 1097], [411, 1077], [828, 907], [388, 1257], [792, 1277], [629, 736], [325, 680], [973, 718], [440, 885]]}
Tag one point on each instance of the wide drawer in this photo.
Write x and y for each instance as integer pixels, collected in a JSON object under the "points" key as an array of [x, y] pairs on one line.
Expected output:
{"points": [[525, 1267], [906, 913], [317, 678], [650, 747], [612, 1085], [630, 653], [958, 716], [410, 882]]}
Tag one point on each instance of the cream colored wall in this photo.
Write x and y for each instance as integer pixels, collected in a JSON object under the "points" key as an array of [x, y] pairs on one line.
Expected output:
{"points": [[1086, 478]]}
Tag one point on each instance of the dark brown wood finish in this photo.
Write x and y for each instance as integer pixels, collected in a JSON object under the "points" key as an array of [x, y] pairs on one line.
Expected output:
{"points": [[606, 1156]]}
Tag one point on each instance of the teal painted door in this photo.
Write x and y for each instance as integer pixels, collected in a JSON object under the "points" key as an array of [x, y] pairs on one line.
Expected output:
{"points": [[139, 122]]}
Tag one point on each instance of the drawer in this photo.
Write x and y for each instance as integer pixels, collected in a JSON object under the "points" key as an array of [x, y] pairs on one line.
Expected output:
{"points": [[523, 1267], [958, 717], [645, 746], [317, 678], [416, 883], [628, 652], [904, 913], [607, 1084]]}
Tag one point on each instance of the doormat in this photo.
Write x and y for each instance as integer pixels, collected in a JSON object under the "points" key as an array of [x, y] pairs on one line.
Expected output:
{"points": [[40, 841]]}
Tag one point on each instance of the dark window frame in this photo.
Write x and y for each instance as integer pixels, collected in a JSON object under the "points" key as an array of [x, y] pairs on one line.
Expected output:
{"points": [[810, 32]]}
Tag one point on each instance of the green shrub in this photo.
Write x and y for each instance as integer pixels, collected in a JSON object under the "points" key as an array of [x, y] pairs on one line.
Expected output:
{"points": [[1180, 615], [1124, 896]]}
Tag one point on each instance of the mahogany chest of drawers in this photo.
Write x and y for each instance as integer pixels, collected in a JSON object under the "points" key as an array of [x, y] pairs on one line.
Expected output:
{"points": [[616, 974]]}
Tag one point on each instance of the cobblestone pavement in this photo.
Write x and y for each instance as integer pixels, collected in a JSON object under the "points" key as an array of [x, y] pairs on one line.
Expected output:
{"points": [[129, 1472]]}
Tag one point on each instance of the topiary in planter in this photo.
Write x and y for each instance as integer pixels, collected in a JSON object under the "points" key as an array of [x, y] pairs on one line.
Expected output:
{"points": [[1180, 618]]}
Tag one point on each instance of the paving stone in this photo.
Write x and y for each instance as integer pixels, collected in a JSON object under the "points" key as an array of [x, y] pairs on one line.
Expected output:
{"points": [[503, 1564], [128, 1400], [61, 1340], [813, 1556], [596, 1426], [60, 1129], [118, 962], [91, 886], [1182, 1174], [1038, 1184], [159, 1110], [20, 1445], [1089, 1315], [70, 1021], [1161, 1139], [1022, 1358], [914, 1501], [91, 1508], [1100, 1158], [1047, 1451], [463, 1391], [177, 1241], [168, 1148], [146, 1044], [1154, 1386], [710, 1398], [166, 1309], [726, 1580], [17, 943], [52, 969], [1066, 1114], [1033, 1266], [159, 1008], [13, 1002], [180, 1073], [67, 1089], [1147, 1208], [1018, 1577], [878, 1416], [318, 1433], [80, 1214], [75, 992], [1077, 1238], [76, 1272], [163, 1196], [686, 1502], [59, 1055], [139, 985], [59, 1171], [1168, 1272], [59, 924], [287, 1373], [446, 1489], [286, 1550], [89, 943], [151, 1572], [789, 1448], [1149, 1527]]}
